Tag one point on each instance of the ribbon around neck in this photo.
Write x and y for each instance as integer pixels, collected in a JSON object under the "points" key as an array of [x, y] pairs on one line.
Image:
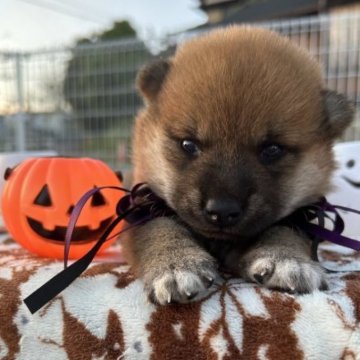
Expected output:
{"points": [[141, 204]]}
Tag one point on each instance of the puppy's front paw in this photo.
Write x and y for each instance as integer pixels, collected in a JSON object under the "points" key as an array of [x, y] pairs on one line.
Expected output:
{"points": [[180, 281], [289, 274]]}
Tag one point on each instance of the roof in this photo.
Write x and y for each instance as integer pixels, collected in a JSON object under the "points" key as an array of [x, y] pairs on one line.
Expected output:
{"points": [[257, 10]]}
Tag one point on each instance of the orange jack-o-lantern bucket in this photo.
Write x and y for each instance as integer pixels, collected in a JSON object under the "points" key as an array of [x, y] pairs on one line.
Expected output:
{"points": [[40, 194]]}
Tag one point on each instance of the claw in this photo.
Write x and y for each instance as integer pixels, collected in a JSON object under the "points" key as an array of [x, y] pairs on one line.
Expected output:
{"points": [[210, 281], [152, 297], [259, 278], [191, 295], [324, 286]]}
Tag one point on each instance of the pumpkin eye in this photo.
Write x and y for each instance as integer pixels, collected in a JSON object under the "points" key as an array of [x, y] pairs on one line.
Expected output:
{"points": [[43, 198], [98, 199], [70, 210]]}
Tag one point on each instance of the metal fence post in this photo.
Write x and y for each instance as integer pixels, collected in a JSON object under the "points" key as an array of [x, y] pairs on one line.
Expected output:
{"points": [[20, 131]]}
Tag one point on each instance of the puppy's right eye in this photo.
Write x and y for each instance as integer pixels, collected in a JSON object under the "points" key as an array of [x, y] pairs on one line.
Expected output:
{"points": [[190, 147], [270, 153]]}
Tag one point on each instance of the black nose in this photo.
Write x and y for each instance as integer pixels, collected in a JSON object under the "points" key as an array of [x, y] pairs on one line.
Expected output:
{"points": [[222, 211]]}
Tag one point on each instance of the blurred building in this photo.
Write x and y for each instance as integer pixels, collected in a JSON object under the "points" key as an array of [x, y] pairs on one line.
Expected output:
{"points": [[225, 12], [81, 101]]}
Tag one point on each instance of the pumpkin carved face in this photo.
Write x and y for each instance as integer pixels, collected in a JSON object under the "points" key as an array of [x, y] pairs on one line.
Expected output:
{"points": [[40, 195]]}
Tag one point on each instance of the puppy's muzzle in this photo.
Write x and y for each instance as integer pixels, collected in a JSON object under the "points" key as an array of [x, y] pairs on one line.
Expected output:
{"points": [[222, 212]]}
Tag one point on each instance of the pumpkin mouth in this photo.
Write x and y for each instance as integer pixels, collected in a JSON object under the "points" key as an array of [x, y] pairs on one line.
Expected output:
{"points": [[80, 233]]}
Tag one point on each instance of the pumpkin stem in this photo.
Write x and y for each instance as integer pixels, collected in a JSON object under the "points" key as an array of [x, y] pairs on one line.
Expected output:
{"points": [[7, 173], [119, 175]]}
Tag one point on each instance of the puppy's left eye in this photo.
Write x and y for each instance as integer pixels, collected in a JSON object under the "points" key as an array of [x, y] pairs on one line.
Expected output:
{"points": [[190, 147], [271, 152]]}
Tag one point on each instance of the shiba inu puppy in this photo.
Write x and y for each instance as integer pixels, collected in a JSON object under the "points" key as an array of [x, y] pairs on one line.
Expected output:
{"points": [[236, 134]]}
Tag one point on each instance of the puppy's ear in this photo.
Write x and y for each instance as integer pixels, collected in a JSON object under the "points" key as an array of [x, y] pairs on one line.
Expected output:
{"points": [[151, 78], [339, 112]]}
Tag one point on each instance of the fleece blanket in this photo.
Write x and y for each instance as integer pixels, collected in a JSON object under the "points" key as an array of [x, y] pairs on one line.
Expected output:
{"points": [[105, 315]]}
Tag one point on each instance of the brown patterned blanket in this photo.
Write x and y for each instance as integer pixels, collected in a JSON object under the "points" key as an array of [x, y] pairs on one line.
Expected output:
{"points": [[104, 315]]}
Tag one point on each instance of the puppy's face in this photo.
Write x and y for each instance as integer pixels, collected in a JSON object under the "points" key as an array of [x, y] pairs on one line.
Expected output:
{"points": [[237, 131]]}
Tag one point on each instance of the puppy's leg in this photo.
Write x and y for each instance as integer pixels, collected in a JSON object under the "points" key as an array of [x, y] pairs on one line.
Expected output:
{"points": [[171, 264], [280, 260]]}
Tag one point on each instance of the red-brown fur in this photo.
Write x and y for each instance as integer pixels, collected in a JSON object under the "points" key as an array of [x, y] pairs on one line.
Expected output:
{"points": [[231, 91]]}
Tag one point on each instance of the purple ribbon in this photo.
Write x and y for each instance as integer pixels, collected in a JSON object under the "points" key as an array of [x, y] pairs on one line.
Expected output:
{"points": [[138, 207], [75, 216], [304, 217], [141, 205]]}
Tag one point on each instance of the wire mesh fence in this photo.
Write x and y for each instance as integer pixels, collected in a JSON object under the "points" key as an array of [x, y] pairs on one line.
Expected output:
{"points": [[82, 101]]}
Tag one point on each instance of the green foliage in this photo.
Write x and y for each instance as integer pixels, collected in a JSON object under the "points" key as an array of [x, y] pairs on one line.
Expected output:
{"points": [[99, 81], [120, 29]]}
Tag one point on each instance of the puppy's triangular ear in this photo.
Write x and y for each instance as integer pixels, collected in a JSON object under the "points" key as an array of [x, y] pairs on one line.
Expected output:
{"points": [[151, 78], [339, 112]]}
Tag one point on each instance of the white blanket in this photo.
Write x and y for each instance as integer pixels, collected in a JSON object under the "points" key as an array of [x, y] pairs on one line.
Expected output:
{"points": [[105, 315]]}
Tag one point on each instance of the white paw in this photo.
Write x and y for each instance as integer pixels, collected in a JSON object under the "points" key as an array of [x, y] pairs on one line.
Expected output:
{"points": [[180, 285], [289, 274]]}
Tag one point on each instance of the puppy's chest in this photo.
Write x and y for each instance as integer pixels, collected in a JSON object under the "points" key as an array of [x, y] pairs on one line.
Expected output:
{"points": [[220, 249]]}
